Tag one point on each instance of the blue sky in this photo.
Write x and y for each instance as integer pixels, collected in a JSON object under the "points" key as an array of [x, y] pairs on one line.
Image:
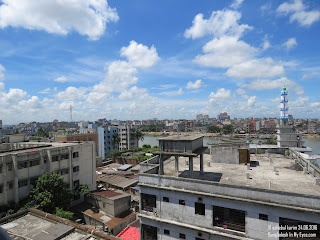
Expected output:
{"points": [[157, 59]]}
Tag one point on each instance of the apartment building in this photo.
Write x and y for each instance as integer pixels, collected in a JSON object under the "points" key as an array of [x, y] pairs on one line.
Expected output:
{"points": [[183, 198], [22, 163], [126, 134], [105, 135]]}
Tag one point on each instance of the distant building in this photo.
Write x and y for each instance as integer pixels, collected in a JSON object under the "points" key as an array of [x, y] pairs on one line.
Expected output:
{"points": [[128, 140], [0, 124], [23, 163], [105, 135], [223, 116], [202, 118]]}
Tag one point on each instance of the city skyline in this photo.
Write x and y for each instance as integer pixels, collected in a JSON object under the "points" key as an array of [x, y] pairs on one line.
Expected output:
{"points": [[145, 59]]}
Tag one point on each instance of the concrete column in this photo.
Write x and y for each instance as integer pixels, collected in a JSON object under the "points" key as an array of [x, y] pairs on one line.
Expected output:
{"points": [[49, 161], [177, 163], [4, 180], [16, 178], [190, 167], [70, 168], [201, 163], [161, 165]]}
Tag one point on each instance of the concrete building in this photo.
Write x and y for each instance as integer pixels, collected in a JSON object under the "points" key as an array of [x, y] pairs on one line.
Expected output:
{"points": [[223, 116], [202, 118], [286, 137], [105, 135], [227, 201], [126, 134], [22, 163]]}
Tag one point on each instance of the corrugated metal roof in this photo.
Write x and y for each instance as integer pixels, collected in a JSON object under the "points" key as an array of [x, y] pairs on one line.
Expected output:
{"points": [[124, 167], [117, 181]]}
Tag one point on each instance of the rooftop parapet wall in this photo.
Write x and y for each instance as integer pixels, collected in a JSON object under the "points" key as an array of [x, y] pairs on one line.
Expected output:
{"points": [[263, 196]]}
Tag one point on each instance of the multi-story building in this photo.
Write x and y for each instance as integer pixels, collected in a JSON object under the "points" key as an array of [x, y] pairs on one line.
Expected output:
{"points": [[187, 199], [202, 118], [22, 163], [223, 116], [127, 138], [105, 135]]}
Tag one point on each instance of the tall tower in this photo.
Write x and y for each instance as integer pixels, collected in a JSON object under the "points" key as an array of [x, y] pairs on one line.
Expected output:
{"points": [[284, 107]]}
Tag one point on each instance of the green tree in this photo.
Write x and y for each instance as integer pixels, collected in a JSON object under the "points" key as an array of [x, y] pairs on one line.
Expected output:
{"points": [[64, 214], [50, 191], [138, 135], [42, 133], [16, 131], [213, 129], [115, 140]]}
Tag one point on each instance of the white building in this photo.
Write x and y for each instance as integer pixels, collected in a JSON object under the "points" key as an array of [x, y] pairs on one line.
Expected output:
{"points": [[105, 135], [22, 163], [127, 138], [196, 201]]}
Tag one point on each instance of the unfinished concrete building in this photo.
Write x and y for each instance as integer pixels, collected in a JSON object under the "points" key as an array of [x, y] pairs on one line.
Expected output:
{"points": [[22, 163], [187, 199]]}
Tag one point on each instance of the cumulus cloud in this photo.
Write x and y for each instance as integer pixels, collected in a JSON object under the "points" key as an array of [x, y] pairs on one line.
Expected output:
{"points": [[220, 23], [45, 91], [263, 67], [194, 85], [241, 91], [297, 11], [225, 52], [315, 104], [236, 4], [251, 101], [61, 79], [219, 95], [2, 70], [133, 93], [139, 55], [71, 94], [87, 17], [173, 93], [266, 84], [290, 43]]}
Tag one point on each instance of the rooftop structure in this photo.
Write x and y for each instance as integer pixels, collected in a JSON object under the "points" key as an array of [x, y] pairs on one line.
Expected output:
{"points": [[242, 200]]}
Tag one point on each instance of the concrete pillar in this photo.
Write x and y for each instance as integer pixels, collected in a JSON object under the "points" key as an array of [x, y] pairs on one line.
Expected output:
{"points": [[201, 163], [49, 160], [70, 168], [177, 163], [190, 167], [161, 165], [16, 178], [4, 180]]}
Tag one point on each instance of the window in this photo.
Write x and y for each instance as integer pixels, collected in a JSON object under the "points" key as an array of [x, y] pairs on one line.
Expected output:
{"points": [[75, 154], [64, 171], [64, 156], [149, 232], [55, 158], [199, 239], [10, 185], [182, 202], [9, 167], [263, 217], [45, 159], [1, 188], [22, 183], [199, 208], [165, 199], [166, 232], [148, 202], [229, 218], [182, 236], [0, 168], [34, 162], [76, 183], [76, 169], [22, 165]]}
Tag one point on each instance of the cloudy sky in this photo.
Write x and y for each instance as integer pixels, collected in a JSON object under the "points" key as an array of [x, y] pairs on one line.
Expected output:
{"points": [[143, 59]]}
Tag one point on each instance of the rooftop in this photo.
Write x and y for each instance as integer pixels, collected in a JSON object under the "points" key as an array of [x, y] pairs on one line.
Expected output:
{"points": [[180, 138], [117, 181], [282, 173], [109, 194]]}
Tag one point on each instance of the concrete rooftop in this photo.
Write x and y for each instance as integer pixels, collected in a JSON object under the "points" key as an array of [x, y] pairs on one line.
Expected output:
{"points": [[180, 138], [286, 178]]}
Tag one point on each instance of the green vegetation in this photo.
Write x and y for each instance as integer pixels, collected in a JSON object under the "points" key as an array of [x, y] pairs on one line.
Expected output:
{"points": [[115, 140], [138, 135], [42, 133], [271, 142], [36, 138], [153, 128], [215, 129], [64, 214]]}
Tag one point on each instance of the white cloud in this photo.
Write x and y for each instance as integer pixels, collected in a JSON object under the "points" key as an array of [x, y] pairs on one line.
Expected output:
{"points": [[220, 23], [45, 91], [133, 93], [61, 79], [173, 93], [225, 52], [194, 85], [12, 97], [2, 70], [87, 17], [315, 104], [251, 101], [240, 91], [219, 95], [236, 4], [290, 43], [139, 55], [266, 84], [71, 94], [266, 45], [298, 12], [263, 67]]}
